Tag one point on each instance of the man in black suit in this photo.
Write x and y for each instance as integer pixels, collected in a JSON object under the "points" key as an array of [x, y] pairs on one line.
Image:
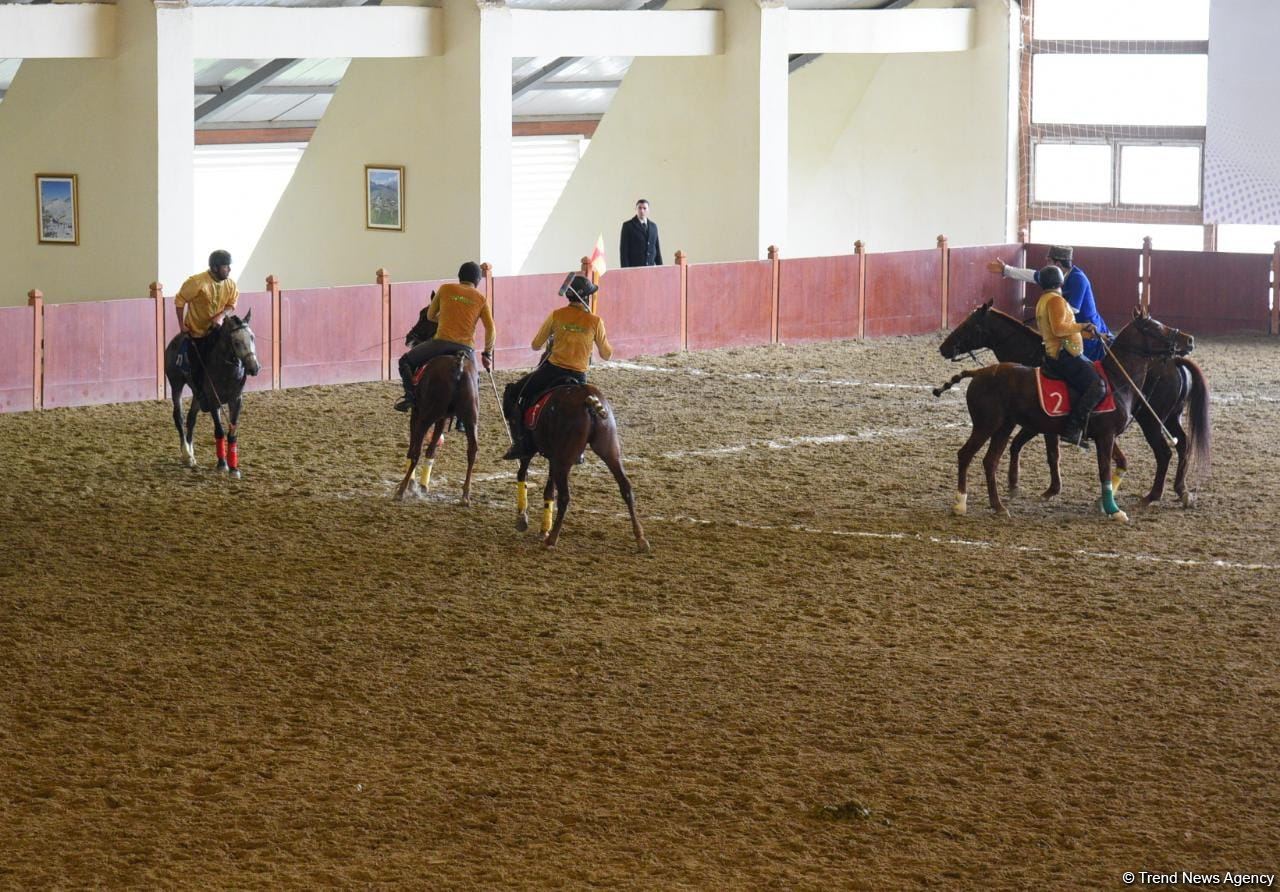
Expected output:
{"points": [[639, 244]]}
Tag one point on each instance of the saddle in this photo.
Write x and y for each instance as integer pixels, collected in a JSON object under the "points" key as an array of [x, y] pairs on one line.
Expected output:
{"points": [[422, 369], [534, 410], [1055, 396]]}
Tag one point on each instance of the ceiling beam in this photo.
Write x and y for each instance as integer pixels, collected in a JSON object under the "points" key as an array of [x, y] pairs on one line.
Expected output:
{"points": [[243, 87], [276, 90]]}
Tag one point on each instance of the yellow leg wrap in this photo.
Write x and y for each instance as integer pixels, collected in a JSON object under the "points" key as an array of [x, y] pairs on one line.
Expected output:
{"points": [[522, 496], [1117, 474], [424, 472], [548, 513]]}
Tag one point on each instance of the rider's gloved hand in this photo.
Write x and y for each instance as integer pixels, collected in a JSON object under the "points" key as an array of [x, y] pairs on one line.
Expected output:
{"points": [[486, 359]]}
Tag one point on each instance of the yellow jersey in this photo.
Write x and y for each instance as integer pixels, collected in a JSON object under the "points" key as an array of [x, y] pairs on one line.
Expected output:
{"points": [[203, 299], [574, 330], [457, 307], [1058, 326]]}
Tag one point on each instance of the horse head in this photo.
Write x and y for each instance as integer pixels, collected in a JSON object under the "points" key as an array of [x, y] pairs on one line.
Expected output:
{"points": [[424, 329], [240, 336], [1150, 337], [971, 334]]}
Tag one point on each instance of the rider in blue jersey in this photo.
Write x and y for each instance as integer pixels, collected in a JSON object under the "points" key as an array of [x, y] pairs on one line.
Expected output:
{"points": [[1077, 290]]}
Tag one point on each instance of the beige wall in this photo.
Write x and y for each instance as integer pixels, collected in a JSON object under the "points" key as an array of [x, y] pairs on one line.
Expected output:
{"points": [[896, 150], [98, 119], [892, 149], [424, 115]]}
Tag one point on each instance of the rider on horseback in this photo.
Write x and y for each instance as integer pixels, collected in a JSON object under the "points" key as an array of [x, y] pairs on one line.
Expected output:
{"points": [[1063, 346], [572, 330], [202, 302], [456, 308], [1077, 290]]}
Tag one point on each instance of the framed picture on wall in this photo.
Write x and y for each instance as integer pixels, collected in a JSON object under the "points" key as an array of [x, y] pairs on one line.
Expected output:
{"points": [[384, 196], [57, 209]]}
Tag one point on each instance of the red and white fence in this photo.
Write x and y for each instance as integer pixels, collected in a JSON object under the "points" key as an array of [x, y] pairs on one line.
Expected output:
{"points": [[78, 354]]}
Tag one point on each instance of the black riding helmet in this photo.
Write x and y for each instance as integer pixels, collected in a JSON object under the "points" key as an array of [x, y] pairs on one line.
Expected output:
{"points": [[580, 288], [1050, 277], [219, 258]]}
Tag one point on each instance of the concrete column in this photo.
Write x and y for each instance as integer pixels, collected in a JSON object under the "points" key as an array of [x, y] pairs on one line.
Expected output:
{"points": [[477, 64], [756, 56], [174, 144]]}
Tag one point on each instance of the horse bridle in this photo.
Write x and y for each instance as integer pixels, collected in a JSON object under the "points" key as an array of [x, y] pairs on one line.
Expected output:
{"points": [[1170, 347]]}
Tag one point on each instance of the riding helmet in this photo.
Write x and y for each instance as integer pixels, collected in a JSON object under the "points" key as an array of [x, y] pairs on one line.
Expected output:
{"points": [[219, 258], [583, 287], [1050, 278]]}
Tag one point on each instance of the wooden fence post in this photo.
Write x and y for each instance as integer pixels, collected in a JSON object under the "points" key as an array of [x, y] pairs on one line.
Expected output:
{"points": [[384, 283], [1144, 300], [584, 268], [682, 261], [776, 261], [946, 284], [273, 286], [1275, 291], [35, 300], [157, 295], [861, 250]]}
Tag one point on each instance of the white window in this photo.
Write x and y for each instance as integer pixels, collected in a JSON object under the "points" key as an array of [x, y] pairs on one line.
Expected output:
{"points": [[541, 166], [1164, 175], [1073, 173], [1119, 89], [1164, 237], [1122, 20]]}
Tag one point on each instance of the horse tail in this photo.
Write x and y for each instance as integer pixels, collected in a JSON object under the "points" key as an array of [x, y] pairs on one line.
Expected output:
{"points": [[595, 407], [967, 373], [1201, 446]]}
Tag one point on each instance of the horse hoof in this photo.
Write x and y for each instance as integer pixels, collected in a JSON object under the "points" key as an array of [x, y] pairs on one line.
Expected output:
{"points": [[1049, 494], [1187, 500], [961, 505], [522, 523], [1119, 517], [465, 502], [1003, 513], [1013, 492], [643, 546], [234, 473]]}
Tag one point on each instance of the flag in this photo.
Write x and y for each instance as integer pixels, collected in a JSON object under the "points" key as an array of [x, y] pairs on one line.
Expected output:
{"points": [[597, 258]]}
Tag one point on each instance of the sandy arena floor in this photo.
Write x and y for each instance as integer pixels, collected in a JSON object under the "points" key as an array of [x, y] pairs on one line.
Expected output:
{"points": [[819, 679]]}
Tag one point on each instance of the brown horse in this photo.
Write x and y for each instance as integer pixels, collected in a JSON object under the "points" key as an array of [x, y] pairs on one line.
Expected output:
{"points": [[1167, 389], [1004, 396], [446, 387], [574, 417]]}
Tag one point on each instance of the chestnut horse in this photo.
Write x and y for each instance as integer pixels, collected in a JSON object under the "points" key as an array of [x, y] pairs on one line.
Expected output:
{"points": [[446, 387], [1167, 388], [574, 417], [1004, 396]]}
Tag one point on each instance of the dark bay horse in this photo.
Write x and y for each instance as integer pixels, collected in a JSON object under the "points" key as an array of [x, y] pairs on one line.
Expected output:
{"points": [[1167, 389], [574, 417], [233, 354], [446, 388], [1004, 396]]}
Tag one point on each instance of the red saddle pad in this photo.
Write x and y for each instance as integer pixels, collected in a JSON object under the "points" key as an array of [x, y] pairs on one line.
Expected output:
{"points": [[531, 414], [1055, 399]]}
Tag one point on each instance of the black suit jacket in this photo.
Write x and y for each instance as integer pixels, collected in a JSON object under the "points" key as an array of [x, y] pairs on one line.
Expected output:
{"points": [[639, 244]]}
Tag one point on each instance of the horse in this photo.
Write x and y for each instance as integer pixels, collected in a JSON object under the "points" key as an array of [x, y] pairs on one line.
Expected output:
{"points": [[573, 417], [1004, 396], [1167, 389], [424, 329], [446, 388], [232, 355]]}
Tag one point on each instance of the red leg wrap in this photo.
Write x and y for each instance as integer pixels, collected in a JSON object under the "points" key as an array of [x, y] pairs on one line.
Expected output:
{"points": [[233, 455], [220, 448]]}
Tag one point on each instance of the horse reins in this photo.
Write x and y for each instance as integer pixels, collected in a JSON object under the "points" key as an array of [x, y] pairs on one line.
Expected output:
{"points": [[1168, 437]]}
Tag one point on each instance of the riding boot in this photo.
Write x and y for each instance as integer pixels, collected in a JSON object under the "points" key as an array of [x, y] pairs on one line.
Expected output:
{"points": [[405, 403], [519, 447], [1076, 430]]}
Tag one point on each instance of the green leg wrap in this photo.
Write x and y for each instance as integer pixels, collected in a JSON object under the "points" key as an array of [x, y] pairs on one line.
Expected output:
{"points": [[1109, 499]]}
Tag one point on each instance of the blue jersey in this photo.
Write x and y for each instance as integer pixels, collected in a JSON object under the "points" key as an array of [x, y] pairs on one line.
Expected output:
{"points": [[1079, 294]]}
